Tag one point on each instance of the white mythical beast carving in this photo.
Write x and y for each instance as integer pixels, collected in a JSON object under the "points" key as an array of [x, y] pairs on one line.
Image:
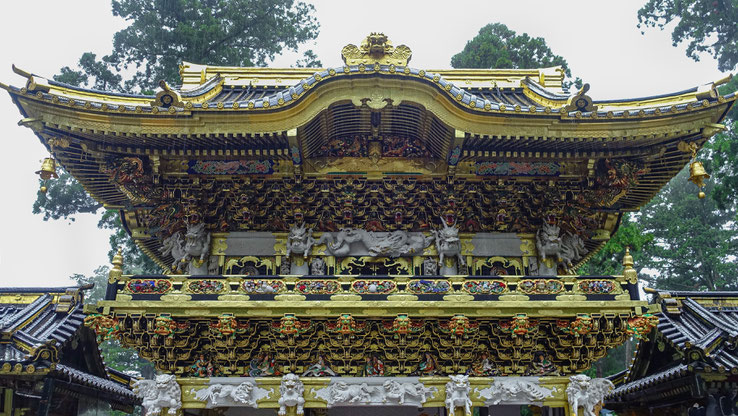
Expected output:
{"points": [[565, 250], [159, 393], [193, 245], [397, 391], [216, 393], [548, 241], [300, 241], [457, 394], [342, 392], [514, 390], [448, 243], [393, 244], [572, 249], [291, 391], [587, 393]]}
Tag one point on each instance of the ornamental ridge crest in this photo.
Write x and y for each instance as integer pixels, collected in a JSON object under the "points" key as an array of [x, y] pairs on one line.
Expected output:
{"points": [[376, 48]]}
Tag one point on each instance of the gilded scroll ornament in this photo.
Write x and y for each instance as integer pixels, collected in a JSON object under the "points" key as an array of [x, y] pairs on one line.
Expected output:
{"points": [[376, 48]]}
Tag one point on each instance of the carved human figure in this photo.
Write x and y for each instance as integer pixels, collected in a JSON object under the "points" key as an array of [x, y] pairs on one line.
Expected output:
{"points": [[320, 369], [202, 367], [542, 366], [162, 392], [457, 395], [482, 368], [429, 366], [373, 367], [291, 392], [263, 365]]}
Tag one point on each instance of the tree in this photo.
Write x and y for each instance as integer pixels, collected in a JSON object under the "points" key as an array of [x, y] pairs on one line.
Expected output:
{"points": [[723, 160], [115, 356], [496, 46], [706, 25], [609, 260], [162, 34], [695, 242]]}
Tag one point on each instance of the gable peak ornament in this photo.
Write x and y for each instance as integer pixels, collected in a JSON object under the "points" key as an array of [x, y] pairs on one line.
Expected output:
{"points": [[376, 48]]}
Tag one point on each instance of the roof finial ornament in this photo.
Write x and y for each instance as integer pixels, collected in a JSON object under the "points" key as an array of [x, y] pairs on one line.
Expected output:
{"points": [[580, 101], [117, 271], [376, 48], [167, 97], [629, 272]]}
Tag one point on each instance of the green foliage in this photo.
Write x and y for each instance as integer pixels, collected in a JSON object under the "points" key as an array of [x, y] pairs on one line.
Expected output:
{"points": [[309, 60], [723, 152], [706, 25], [609, 260], [134, 261], [695, 243], [496, 46], [99, 70], [164, 33], [64, 198], [115, 356]]}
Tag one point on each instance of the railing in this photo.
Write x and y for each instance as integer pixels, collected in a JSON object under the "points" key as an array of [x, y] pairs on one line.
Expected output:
{"points": [[152, 287]]}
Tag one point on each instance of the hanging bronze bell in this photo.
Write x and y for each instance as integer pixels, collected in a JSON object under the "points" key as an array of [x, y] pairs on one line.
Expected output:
{"points": [[697, 175], [48, 169]]}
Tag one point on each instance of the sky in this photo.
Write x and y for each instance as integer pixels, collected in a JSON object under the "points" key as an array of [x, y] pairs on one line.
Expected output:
{"points": [[599, 39]]}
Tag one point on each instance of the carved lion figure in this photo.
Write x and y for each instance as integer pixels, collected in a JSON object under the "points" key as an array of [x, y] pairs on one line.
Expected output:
{"points": [[397, 391], [291, 391], [350, 393], [217, 392], [457, 395], [587, 393], [159, 393]]}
